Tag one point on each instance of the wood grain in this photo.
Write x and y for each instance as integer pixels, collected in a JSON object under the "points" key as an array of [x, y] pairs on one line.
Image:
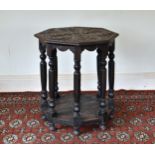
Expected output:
{"points": [[76, 36]]}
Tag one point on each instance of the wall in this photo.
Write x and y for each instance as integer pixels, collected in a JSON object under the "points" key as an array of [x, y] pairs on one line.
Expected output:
{"points": [[19, 55]]}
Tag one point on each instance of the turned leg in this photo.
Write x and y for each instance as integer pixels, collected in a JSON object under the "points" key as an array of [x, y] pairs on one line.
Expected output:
{"points": [[43, 76], [56, 76], [77, 84], [111, 68], [102, 99], [43, 72], [52, 72], [98, 77]]}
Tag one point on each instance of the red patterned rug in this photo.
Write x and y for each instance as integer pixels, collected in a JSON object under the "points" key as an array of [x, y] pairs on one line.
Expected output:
{"points": [[134, 121]]}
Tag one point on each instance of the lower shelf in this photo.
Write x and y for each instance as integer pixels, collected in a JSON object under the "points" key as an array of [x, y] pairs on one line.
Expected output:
{"points": [[89, 107]]}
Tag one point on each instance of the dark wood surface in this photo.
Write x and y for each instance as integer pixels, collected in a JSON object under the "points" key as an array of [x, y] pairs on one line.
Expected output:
{"points": [[43, 73], [76, 109], [64, 107], [76, 36], [111, 74], [77, 91], [102, 80]]}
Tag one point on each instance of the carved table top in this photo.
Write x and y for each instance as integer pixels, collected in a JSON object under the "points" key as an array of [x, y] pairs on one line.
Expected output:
{"points": [[76, 36]]}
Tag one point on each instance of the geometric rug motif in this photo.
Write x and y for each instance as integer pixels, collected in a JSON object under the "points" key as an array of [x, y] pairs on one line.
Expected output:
{"points": [[133, 123]]}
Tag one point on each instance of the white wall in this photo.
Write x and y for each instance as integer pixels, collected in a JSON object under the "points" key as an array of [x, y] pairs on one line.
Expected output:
{"points": [[19, 55]]}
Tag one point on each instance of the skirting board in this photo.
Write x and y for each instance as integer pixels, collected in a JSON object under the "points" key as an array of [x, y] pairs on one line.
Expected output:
{"points": [[20, 83]]}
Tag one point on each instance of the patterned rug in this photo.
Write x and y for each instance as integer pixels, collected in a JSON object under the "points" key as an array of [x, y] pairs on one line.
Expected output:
{"points": [[134, 121]]}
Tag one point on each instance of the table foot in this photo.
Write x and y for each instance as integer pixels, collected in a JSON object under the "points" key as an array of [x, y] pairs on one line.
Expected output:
{"points": [[43, 116], [76, 132], [103, 127], [111, 115], [52, 127]]}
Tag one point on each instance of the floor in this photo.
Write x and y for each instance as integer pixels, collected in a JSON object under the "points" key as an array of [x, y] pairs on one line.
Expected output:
{"points": [[134, 121]]}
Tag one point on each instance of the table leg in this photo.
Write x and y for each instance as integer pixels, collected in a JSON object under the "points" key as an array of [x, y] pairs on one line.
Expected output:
{"points": [[98, 77], [52, 71], [43, 76], [111, 68], [102, 74], [56, 76], [77, 85]]}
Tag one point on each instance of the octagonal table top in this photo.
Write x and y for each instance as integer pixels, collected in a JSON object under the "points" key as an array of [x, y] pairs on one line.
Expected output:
{"points": [[76, 36]]}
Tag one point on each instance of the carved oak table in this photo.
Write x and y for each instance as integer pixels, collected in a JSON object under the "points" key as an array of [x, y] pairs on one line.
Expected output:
{"points": [[77, 108]]}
